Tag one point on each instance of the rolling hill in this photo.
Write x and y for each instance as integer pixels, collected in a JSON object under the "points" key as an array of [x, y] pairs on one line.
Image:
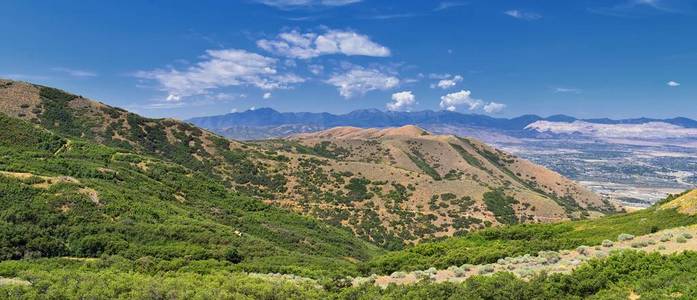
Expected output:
{"points": [[63, 197], [423, 185], [388, 186], [96, 202]]}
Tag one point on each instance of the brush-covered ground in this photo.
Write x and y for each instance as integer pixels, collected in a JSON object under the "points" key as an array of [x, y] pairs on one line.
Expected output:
{"points": [[650, 266], [98, 203], [392, 187], [82, 220]]}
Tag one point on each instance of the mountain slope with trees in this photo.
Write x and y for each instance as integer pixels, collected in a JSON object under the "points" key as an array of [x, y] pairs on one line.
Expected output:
{"points": [[391, 190], [134, 213]]}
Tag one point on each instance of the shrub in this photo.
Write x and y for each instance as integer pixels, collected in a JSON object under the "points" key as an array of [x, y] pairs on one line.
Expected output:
{"points": [[661, 247], [398, 275], [457, 271], [686, 235], [583, 250], [607, 243], [233, 256], [625, 237], [486, 269], [641, 244], [421, 275], [681, 240], [526, 272], [666, 237]]}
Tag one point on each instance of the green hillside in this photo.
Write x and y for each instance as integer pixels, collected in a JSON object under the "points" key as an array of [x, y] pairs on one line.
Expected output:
{"points": [[376, 189], [83, 216], [489, 245], [67, 198]]}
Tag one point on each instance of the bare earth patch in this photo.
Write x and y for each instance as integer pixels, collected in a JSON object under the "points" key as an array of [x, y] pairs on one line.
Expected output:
{"points": [[13, 281]]}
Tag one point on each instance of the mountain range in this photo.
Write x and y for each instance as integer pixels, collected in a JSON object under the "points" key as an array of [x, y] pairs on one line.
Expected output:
{"points": [[267, 123]]}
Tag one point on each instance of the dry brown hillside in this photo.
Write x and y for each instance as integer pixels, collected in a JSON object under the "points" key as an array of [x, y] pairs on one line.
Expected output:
{"points": [[455, 183], [388, 186]]}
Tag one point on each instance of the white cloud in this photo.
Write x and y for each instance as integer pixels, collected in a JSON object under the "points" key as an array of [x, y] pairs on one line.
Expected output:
{"points": [[673, 83], [650, 130], [463, 97], [448, 4], [494, 108], [567, 90], [448, 82], [439, 76], [75, 72], [219, 69], [358, 81], [309, 45], [632, 8], [401, 101], [173, 98], [267, 95], [286, 4], [316, 69], [518, 14]]}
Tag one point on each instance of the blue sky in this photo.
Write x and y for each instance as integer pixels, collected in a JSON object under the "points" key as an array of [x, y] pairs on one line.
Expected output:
{"points": [[620, 58]]}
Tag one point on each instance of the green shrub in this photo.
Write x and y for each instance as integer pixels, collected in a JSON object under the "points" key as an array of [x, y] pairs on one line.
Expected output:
{"points": [[625, 237], [583, 250], [666, 237], [233, 256]]}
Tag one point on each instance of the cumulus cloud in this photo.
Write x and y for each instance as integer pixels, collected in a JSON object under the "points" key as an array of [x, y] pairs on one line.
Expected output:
{"points": [[522, 15], [673, 83], [267, 95], [219, 69], [401, 101], [453, 100], [447, 82], [464, 97], [309, 45], [358, 81], [494, 108], [287, 4]]}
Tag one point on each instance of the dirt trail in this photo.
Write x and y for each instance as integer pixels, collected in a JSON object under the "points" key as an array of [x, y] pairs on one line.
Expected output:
{"points": [[43, 182], [666, 242]]}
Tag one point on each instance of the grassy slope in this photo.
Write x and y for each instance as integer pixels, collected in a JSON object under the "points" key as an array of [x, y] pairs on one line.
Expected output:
{"points": [[158, 210], [650, 276], [292, 175], [177, 249], [488, 245]]}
